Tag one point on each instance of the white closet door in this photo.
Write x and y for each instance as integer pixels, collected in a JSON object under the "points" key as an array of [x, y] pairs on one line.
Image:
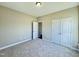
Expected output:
{"points": [[35, 30], [56, 31], [67, 31]]}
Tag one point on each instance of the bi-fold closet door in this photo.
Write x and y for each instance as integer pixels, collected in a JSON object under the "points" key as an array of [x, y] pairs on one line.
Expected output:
{"points": [[56, 31], [63, 31]]}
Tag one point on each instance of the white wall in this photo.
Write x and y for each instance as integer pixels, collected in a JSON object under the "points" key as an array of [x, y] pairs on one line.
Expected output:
{"points": [[14, 26], [47, 22]]}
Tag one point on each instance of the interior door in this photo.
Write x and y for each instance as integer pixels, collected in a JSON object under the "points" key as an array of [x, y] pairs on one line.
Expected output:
{"points": [[35, 30], [64, 32], [67, 32], [56, 34]]}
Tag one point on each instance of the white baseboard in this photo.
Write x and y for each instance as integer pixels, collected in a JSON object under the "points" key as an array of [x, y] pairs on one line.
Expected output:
{"points": [[13, 44]]}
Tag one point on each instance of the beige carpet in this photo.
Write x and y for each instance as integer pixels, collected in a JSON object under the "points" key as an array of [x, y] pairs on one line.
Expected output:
{"points": [[38, 48]]}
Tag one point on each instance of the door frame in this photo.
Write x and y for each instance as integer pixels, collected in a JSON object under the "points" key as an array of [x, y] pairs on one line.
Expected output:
{"points": [[39, 30], [32, 28]]}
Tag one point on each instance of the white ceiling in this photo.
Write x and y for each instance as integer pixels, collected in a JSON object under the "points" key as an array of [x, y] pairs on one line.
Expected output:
{"points": [[46, 8]]}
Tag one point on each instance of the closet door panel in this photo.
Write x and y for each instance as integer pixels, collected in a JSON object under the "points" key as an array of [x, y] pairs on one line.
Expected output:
{"points": [[67, 30], [64, 31], [56, 31]]}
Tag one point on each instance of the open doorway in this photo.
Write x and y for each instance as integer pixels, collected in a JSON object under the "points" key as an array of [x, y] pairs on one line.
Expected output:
{"points": [[36, 30], [40, 30]]}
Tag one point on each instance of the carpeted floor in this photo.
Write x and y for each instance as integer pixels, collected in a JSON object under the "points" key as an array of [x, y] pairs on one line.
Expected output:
{"points": [[38, 48]]}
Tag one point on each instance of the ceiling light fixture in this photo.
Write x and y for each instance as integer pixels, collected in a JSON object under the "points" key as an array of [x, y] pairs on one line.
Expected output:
{"points": [[38, 4]]}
